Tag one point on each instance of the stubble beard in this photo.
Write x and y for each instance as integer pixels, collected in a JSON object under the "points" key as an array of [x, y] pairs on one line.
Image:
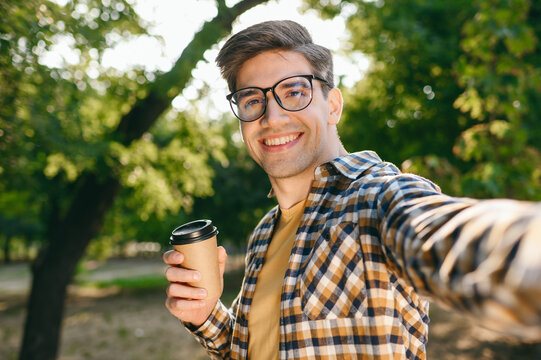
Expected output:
{"points": [[288, 168]]}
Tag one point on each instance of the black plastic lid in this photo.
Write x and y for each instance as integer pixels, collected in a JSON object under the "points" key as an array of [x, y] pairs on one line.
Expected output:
{"points": [[193, 232]]}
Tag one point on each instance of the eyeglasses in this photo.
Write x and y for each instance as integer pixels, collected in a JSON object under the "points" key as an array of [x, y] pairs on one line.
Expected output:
{"points": [[293, 93]]}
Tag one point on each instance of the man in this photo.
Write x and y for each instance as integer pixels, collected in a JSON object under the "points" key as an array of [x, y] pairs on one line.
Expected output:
{"points": [[340, 267]]}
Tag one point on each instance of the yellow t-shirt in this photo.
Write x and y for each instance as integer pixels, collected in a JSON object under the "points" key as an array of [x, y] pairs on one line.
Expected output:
{"points": [[264, 316]]}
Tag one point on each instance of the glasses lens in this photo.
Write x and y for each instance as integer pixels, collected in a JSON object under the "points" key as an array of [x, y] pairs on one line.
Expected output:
{"points": [[248, 104], [294, 93]]}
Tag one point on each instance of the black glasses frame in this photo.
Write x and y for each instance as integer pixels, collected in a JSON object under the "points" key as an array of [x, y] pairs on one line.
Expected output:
{"points": [[272, 88]]}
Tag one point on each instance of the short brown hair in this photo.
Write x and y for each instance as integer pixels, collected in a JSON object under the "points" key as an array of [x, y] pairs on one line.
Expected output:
{"points": [[273, 35]]}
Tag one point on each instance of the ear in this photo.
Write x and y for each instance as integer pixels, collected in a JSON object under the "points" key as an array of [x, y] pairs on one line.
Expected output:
{"points": [[335, 106]]}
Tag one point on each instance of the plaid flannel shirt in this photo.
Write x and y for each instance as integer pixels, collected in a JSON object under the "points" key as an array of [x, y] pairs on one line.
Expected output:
{"points": [[371, 242]]}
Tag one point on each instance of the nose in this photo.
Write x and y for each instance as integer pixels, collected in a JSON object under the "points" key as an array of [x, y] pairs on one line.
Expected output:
{"points": [[274, 114]]}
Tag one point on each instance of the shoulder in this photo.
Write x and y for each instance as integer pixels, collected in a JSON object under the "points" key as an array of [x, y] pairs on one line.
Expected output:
{"points": [[264, 228], [367, 172]]}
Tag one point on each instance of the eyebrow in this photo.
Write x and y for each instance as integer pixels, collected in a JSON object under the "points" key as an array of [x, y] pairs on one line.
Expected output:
{"points": [[246, 92], [292, 84]]}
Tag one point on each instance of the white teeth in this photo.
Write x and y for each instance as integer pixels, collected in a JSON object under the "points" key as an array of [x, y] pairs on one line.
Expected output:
{"points": [[280, 141]]}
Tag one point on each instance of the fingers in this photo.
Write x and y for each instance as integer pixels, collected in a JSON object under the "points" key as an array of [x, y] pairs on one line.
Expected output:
{"points": [[222, 254], [187, 292], [188, 303], [175, 273], [180, 306], [173, 257], [222, 257], [181, 275]]}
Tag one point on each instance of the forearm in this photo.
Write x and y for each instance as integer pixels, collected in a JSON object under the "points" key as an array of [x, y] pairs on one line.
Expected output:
{"points": [[483, 257], [493, 268], [215, 333]]}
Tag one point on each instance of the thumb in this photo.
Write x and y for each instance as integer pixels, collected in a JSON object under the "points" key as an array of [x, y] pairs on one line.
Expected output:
{"points": [[222, 257]]}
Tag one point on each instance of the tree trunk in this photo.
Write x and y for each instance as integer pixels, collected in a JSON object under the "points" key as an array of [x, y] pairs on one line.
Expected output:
{"points": [[70, 235], [7, 255], [54, 267]]}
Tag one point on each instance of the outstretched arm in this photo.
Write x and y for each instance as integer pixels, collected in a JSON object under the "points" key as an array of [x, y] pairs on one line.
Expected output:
{"points": [[479, 256]]}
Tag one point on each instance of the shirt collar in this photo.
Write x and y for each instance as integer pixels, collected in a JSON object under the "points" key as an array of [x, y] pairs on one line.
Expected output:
{"points": [[350, 166]]}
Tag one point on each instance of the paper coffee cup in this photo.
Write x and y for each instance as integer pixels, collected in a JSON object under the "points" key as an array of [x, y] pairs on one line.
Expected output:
{"points": [[196, 240]]}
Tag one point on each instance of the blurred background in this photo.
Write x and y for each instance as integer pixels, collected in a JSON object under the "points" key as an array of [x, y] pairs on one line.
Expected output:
{"points": [[114, 129]]}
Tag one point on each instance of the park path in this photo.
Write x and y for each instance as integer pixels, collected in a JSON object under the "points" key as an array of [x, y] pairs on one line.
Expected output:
{"points": [[102, 323], [15, 278], [137, 326]]}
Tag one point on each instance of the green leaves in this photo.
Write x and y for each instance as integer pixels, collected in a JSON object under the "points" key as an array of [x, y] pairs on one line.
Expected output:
{"points": [[58, 117], [504, 165], [166, 174], [496, 72], [452, 93], [401, 107]]}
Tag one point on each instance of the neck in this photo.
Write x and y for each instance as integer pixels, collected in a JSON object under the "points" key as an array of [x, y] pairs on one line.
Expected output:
{"points": [[291, 190]]}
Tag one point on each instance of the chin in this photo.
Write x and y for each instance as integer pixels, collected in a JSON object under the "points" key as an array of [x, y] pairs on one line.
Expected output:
{"points": [[284, 170]]}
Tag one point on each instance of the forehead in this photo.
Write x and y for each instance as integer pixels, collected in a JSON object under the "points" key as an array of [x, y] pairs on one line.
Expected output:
{"points": [[269, 67]]}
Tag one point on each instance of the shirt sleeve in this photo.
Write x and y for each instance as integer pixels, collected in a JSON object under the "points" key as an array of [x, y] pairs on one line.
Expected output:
{"points": [[479, 256], [215, 333]]}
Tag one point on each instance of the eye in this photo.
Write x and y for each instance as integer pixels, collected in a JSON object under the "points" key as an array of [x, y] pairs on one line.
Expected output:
{"points": [[247, 103], [294, 89], [296, 93], [248, 98]]}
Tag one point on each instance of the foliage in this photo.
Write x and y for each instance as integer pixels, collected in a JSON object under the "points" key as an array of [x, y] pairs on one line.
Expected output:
{"points": [[241, 189], [77, 134], [401, 108], [48, 133], [501, 75], [453, 89], [161, 174], [57, 122]]}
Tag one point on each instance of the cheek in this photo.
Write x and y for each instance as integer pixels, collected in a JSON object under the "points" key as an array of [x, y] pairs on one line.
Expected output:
{"points": [[243, 132], [246, 132], [242, 136], [325, 114], [319, 119]]}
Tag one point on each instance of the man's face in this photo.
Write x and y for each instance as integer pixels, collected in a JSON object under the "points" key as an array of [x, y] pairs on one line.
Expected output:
{"points": [[285, 143]]}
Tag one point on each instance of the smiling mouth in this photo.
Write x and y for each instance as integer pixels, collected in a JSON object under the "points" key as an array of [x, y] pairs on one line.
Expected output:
{"points": [[281, 140]]}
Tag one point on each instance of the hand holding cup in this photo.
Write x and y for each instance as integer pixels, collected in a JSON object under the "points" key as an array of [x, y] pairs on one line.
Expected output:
{"points": [[195, 272]]}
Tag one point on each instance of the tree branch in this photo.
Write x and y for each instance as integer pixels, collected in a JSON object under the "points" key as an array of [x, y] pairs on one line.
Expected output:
{"points": [[146, 111]]}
